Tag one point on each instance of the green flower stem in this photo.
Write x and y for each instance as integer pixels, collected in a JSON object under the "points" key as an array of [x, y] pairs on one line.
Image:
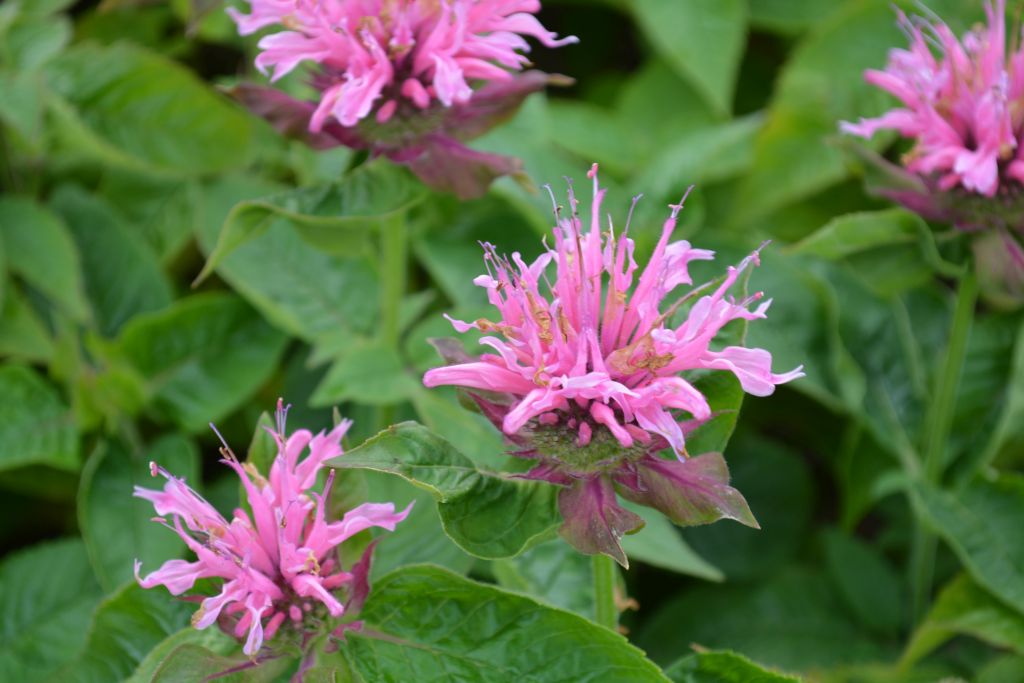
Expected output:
{"points": [[605, 611], [393, 255], [939, 420]]}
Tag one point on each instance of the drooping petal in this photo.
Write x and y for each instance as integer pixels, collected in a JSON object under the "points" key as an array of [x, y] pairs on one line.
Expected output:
{"points": [[593, 521]]}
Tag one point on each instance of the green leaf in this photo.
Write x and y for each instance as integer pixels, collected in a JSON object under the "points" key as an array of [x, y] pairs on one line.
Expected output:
{"points": [[201, 357], [36, 428], [487, 515], [820, 85], [129, 107], [1007, 438], [722, 667], [47, 594], [339, 217], [554, 573], [964, 608], [22, 334], [369, 372], [982, 524], [866, 583], [117, 527], [32, 41], [211, 641], [442, 626], [725, 396], [122, 275], [262, 447], [42, 253], [188, 663], [858, 232], [469, 432], [791, 16], [164, 212], [792, 621], [660, 544], [319, 297], [124, 628], [702, 39]]}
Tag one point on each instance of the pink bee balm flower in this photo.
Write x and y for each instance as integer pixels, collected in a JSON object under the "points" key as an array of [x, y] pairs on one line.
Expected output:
{"points": [[392, 71], [278, 564], [964, 108], [590, 376]]}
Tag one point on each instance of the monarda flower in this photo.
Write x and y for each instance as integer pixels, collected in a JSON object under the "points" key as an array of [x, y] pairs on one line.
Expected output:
{"points": [[278, 559], [397, 77], [591, 377], [964, 110]]}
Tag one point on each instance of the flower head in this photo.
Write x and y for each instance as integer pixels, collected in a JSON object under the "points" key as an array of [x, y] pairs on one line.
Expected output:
{"points": [[394, 72], [964, 109], [592, 375], [277, 559]]}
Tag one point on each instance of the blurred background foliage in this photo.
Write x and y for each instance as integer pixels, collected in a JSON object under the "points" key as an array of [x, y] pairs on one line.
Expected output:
{"points": [[122, 164]]}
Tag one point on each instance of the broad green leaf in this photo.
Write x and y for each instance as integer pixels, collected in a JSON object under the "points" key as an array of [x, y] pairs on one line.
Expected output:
{"points": [[201, 357], [436, 625], [22, 334], [792, 621], [31, 41], [660, 544], [722, 667], [36, 428], [820, 85], [321, 298], [866, 583], [122, 275], [855, 233], [1007, 439], [21, 108], [964, 608], [129, 107], [791, 16], [1006, 668], [211, 640], [339, 217], [469, 432], [370, 373], [419, 536], [703, 156], [982, 524], [164, 212], [40, 251], [117, 527], [553, 572], [188, 663], [47, 594], [486, 514], [702, 39], [124, 628]]}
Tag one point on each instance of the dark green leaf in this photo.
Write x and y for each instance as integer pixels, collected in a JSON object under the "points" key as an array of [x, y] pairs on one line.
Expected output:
{"points": [[122, 274], [858, 232], [36, 428], [866, 583], [201, 357], [22, 334], [42, 253], [964, 608], [124, 628], [792, 621], [436, 625], [553, 572], [982, 524], [129, 107], [702, 39], [487, 515], [722, 667], [318, 297], [117, 527], [47, 594]]}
